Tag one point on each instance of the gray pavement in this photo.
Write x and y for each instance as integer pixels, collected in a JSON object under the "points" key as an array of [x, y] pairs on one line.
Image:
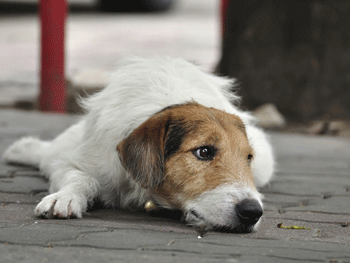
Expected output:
{"points": [[311, 188], [96, 41]]}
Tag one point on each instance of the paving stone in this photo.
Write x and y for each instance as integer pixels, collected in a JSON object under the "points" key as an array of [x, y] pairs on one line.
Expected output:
{"points": [[181, 246], [300, 146], [22, 212], [17, 212], [318, 166], [333, 204], [316, 230], [308, 185], [31, 254], [43, 234], [78, 254], [32, 123], [308, 216], [21, 198], [10, 170], [276, 202], [23, 184]]}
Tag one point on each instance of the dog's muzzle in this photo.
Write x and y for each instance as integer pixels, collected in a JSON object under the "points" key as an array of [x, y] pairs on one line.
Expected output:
{"points": [[242, 217]]}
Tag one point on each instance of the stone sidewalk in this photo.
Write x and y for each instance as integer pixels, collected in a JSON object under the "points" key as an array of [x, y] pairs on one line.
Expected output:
{"points": [[311, 189]]}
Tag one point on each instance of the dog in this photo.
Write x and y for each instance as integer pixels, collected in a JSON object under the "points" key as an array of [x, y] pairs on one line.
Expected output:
{"points": [[163, 130]]}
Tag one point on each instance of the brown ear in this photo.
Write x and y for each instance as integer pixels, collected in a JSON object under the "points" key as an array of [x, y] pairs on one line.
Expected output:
{"points": [[142, 152]]}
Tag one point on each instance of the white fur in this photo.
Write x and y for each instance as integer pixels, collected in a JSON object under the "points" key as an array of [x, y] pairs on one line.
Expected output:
{"points": [[82, 163], [220, 201]]}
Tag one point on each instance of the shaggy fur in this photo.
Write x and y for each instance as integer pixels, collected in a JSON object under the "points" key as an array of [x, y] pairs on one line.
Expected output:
{"points": [[139, 141]]}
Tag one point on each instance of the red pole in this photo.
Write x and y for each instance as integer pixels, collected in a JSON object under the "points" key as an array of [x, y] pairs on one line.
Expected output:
{"points": [[223, 12], [53, 14]]}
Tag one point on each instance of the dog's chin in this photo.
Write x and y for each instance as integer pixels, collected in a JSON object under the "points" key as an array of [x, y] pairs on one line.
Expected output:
{"points": [[241, 228], [202, 224]]}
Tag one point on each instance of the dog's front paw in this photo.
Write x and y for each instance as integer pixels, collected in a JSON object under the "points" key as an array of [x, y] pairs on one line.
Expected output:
{"points": [[61, 205]]}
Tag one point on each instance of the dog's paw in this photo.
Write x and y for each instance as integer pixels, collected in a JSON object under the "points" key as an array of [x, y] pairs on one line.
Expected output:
{"points": [[61, 205]]}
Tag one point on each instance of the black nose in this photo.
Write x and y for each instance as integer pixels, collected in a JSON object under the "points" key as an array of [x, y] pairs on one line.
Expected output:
{"points": [[249, 211]]}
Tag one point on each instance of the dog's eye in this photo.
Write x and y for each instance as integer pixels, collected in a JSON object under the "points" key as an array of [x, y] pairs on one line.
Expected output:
{"points": [[250, 158], [205, 153]]}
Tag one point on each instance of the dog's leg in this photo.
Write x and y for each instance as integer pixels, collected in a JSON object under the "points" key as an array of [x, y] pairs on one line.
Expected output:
{"points": [[28, 151], [73, 192], [263, 161], [35, 152]]}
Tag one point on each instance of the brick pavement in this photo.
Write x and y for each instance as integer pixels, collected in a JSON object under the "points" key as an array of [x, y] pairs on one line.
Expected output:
{"points": [[311, 188]]}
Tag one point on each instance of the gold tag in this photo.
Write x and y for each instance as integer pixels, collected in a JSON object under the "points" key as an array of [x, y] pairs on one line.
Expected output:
{"points": [[150, 206]]}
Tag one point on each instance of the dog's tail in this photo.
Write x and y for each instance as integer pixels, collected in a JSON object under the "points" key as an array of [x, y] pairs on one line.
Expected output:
{"points": [[27, 151]]}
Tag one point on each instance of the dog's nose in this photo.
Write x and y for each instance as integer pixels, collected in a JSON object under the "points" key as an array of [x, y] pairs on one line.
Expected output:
{"points": [[249, 211]]}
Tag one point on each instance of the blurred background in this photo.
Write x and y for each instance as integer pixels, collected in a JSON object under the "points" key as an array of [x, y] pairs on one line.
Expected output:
{"points": [[97, 39], [291, 58]]}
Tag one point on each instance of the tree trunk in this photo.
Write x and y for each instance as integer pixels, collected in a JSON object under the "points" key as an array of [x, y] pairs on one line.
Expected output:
{"points": [[295, 54]]}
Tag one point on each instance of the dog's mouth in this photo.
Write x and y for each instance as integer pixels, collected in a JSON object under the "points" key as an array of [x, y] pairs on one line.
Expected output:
{"points": [[176, 215], [196, 215], [197, 220]]}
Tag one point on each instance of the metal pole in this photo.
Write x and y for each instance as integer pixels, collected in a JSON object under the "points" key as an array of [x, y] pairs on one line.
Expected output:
{"points": [[53, 14], [223, 13]]}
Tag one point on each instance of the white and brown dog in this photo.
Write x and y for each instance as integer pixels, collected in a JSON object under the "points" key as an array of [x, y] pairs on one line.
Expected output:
{"points": [[165, 131]]}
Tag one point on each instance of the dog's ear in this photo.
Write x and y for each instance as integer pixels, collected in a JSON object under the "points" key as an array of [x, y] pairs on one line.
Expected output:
{"points": [[142, 152]]}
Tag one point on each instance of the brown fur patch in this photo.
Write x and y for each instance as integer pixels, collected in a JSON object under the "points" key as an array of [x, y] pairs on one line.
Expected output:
{"points": [[142, 152]]}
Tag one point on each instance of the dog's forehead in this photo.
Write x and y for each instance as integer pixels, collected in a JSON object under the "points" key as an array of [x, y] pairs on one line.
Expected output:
{"points": [[195, 115]]}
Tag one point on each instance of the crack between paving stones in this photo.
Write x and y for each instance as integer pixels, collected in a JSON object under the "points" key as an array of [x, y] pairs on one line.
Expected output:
{"points": [[108, 229], [149, 248], [124, 249], [11, 174], [302, 195], [318, 212], [282, 247], [39, 176], [295, 259], [52, 244], [49, 245], [287, 194], [63, 246], [171, 250], [124, 228], [33, 192], [20, 168], [76, 238], [288, 205], [4, 204], [221, 254], [303, 220]]}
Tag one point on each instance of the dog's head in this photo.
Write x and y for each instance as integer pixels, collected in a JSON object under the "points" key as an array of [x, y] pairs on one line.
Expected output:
{"points": [[196, 159]]}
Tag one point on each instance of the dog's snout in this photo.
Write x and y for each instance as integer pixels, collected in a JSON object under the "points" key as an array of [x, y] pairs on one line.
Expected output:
{"points": [[249, 211]]}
